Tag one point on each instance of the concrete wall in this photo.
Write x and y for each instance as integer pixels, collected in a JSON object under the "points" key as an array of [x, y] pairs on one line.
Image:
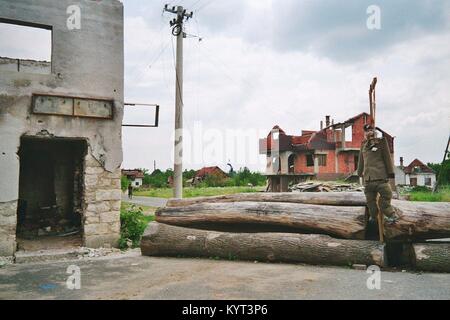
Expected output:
{"points": [[85, 63], [400, 177]]}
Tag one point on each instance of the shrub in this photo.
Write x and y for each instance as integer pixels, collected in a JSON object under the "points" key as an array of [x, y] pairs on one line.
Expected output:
{"points": [[420, 189], [213, 180], [132, 225], [124, 182]]}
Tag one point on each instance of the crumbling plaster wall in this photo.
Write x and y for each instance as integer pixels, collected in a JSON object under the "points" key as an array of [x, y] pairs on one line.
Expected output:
{"points": [[86, 62]]}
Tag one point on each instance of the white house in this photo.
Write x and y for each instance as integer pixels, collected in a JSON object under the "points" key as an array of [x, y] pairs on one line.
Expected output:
{"points": [[415, 174], [136, 176]]}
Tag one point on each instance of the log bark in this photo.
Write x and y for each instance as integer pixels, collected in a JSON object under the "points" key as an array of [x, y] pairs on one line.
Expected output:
{"points": [[166, 240], [420, 220], [322, 198], [432, 257], [338, 221], [417, 220]]}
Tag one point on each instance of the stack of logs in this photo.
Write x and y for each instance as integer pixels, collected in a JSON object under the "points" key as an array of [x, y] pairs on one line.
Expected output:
{"points": [[316, 228]]}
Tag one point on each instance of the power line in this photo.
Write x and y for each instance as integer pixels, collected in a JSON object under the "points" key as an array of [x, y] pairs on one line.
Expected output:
{"points": [[159, 54], [238, 82], [204, 6], [192, 6]]}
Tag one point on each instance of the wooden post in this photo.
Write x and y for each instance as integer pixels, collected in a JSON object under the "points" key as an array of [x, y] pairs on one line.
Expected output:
{"points": [[380, 222]]}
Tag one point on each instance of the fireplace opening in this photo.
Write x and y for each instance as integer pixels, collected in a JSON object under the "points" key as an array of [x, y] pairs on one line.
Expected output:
{"points": [[49, 213]]}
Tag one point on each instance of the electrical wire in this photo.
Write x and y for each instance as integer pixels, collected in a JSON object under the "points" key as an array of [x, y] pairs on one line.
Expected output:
{"points": [[238, 82], [204, 6], [192, 6]]}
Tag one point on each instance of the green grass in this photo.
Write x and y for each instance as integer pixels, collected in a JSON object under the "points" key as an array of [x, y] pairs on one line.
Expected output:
{"points": [[149, 219], [443, 195], [190, 192]]}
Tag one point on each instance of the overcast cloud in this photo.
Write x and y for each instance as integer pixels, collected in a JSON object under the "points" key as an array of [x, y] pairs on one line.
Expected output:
{"points": [[290, 63], [287, 62]]}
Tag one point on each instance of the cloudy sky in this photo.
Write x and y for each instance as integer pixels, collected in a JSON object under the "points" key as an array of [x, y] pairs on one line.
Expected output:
{"points": [[286, 62]]}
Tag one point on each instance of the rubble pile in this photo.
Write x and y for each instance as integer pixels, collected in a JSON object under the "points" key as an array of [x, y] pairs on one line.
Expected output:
{"points": [[329, 186]]}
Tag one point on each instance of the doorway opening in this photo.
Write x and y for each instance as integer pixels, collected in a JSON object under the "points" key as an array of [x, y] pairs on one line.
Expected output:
{"points": [[49, 213]]}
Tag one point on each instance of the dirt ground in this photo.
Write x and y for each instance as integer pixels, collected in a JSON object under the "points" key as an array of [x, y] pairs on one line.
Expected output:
{"points": [[50, 243], [131, 276]]}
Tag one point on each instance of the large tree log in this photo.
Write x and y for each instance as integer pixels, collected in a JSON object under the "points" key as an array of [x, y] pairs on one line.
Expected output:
{"points": [[165, 240], [339, 221], [322, 198], [420, 220], [417, 220], [432, 256]]}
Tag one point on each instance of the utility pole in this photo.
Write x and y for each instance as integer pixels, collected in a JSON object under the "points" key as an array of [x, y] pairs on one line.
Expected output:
{"points": [[372, 100], [177, 31], [438, 180]]}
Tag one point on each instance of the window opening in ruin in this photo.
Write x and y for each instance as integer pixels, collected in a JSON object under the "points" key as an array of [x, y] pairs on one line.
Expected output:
{"points": [[50, 193], [291, 163], [322, 159], [349, 134], [309, 160], [16, 53], [356, 160]]}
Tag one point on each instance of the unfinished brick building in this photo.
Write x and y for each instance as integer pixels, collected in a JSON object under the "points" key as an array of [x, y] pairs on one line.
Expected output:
{"points": [[60, 126], [327, 154]]}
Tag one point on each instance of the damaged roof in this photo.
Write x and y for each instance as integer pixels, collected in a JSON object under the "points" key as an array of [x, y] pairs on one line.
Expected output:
{"points": [[417, 166]]}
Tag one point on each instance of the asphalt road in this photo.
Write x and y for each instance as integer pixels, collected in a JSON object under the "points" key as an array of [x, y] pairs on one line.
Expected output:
{"points": [[137, 277], [145, 201]]}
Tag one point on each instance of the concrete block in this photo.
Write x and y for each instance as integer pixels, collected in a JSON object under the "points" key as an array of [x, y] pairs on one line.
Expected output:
{"points": [[90, 180], [115, 183], [96, 229], [98, 241], [8, 221], [108, 217], [94, 170], [7, 247], [115, 205], [8, 208], [105, 182], [92, 220], [115, 227], [102, 195], [91, 161]]}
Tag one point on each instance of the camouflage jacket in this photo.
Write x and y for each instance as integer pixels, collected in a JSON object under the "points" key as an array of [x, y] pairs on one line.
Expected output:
{"points": [[375, 162]]}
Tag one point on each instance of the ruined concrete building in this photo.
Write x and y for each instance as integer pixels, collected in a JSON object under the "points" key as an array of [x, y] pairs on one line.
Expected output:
{"points": [[328, 154], [60, 125]]}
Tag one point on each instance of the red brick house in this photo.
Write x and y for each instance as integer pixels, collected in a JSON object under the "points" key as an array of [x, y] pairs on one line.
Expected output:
{"points": [[208, 171], [327, 154]]}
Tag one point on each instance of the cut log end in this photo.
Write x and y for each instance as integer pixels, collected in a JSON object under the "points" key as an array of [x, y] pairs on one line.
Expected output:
{"points": [[432, 257]]}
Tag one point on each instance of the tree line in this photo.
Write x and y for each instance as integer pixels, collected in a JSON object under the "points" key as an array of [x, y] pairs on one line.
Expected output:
{"points": [[160, 179]]}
